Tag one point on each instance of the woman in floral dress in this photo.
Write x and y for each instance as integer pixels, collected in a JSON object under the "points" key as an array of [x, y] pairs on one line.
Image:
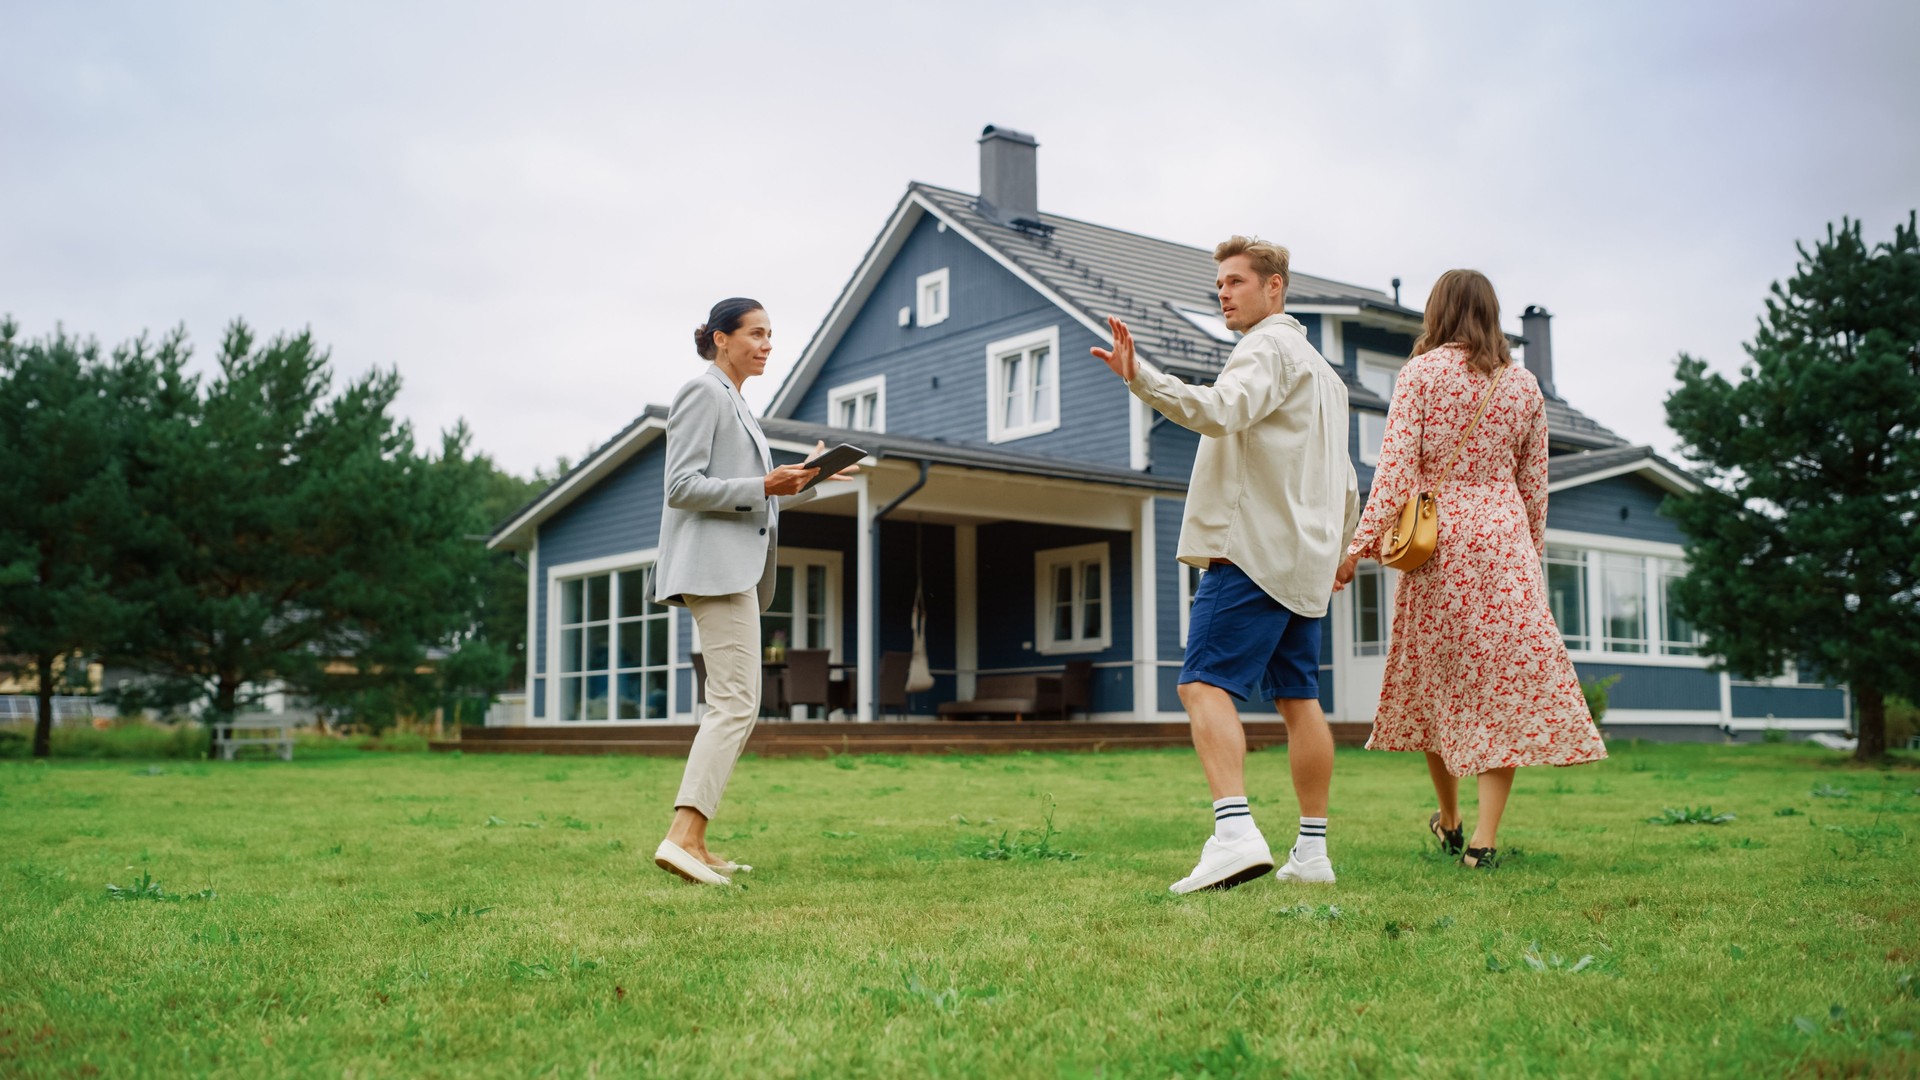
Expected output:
{"points": [[1477, 675]]}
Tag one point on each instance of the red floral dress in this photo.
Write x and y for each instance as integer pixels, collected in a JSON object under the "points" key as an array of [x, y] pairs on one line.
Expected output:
{"points": [[1476, 669]]}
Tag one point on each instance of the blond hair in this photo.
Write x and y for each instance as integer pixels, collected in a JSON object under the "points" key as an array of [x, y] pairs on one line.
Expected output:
{"points": [[1267, 257], [1463, 310]]}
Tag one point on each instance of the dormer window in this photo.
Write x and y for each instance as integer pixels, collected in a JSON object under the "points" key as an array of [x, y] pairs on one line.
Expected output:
{"points": [[859, 406], [930, 291], [1210, 323], [1377, 373]]}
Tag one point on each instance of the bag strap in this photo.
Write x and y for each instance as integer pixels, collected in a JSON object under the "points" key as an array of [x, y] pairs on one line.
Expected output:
{"points": [[1484, 402]]}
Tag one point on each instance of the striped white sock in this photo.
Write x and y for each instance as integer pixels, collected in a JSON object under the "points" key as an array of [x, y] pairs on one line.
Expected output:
{"points": [[1232, 817], [1313, 838]]}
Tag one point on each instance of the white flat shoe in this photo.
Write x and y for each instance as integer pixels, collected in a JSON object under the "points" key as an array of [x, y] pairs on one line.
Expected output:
{"points": [[674, 859], [1316, 869], [1226, 863]]}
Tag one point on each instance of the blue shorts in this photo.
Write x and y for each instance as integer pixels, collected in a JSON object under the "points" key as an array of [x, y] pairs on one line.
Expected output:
{"points": [[1247, 643]]}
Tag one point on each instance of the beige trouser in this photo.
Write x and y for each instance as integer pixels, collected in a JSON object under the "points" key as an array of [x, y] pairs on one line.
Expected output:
{"points": [[730, 643]]}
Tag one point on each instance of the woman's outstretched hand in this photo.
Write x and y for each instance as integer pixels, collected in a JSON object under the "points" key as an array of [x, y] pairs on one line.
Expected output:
{"points": [[1343, 576]]}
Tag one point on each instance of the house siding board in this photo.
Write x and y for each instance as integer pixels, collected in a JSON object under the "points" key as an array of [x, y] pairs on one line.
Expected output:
{"points": [[1166, 589], [986, 304], [1596, 508], [1790, 703], [621, 513], [1665, 688], [1170, 448], [1006, 604]]}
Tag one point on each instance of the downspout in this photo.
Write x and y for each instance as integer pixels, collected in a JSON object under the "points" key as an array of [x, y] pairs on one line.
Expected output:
{"points": [[872, 675]]}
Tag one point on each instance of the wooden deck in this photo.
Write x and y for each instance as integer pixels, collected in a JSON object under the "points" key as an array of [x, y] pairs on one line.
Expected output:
{"points": [[788, 739]]}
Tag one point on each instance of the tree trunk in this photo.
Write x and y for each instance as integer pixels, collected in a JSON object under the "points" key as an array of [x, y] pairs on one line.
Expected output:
{"points": [[226, 694], [1872, 745], [43, 721]]}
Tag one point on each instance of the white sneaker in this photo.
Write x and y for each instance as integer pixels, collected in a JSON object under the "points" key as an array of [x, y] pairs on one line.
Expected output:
{"points": [[1313, 868], [1226, 863]]}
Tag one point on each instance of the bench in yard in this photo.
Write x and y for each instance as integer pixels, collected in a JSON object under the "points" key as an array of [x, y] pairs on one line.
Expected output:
{"points": [[267, 731], [1018, 696]]}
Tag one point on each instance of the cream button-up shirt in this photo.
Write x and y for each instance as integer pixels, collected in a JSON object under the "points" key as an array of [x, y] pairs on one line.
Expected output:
{"points": [[1273, 490]]}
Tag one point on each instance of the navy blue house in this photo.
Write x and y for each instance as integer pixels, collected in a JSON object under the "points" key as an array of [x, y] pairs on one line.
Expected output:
{"points": [[1035, 503]]}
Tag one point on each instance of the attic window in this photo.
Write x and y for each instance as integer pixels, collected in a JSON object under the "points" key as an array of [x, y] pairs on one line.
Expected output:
{"points": [[1209, 323], [859, 406], [930, 293]]}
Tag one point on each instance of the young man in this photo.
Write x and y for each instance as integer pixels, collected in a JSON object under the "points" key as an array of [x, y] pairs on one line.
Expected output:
{"points": [[1271, 507]]}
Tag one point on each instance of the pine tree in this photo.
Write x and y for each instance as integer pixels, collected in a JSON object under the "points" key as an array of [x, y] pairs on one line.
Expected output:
{"points": [[67, 508], [1805, 545]]}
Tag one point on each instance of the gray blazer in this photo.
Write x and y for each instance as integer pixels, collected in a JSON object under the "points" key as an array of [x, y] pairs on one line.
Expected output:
{"points": [[719, 529]]}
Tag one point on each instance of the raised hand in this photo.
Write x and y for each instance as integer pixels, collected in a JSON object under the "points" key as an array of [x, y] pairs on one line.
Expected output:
{"points": [[1120, 358]]}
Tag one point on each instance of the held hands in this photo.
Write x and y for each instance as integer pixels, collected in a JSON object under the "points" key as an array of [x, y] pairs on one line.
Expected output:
{"points": [[1343, 576], [1120, 358], [789, 479]]}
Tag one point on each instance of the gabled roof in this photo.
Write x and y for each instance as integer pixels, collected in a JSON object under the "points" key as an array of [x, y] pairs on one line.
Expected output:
{"points": [[516, 532], [1092, 271], [1586, 467]]}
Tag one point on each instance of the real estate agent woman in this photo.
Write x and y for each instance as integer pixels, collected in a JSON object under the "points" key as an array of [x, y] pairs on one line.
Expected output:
{"points": [[718, 534]]}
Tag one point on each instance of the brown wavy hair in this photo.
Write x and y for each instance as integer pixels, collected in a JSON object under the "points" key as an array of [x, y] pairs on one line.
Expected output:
{"points": [[1463, 310]]}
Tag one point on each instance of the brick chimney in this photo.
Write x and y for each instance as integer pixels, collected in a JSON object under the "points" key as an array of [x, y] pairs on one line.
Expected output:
{"points": [[1009, 175], [1536, 327]]}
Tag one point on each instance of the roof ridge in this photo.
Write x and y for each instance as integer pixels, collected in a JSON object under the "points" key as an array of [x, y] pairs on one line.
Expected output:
{"points": [[1137, 235]]}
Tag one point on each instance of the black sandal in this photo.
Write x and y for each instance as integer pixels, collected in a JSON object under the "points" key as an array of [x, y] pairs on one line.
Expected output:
{"points": [[1453, 840], [1482, 858]]}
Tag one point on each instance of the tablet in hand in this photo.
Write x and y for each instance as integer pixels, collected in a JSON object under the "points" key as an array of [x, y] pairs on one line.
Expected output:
{"points": [[831, 461]]}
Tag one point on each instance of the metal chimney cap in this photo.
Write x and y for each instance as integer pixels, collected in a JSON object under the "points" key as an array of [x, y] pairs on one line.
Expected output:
{"points": [[992, 132], [1536, 309]]}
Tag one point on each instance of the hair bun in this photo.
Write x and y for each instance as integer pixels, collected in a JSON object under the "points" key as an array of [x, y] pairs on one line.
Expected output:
{"points": [[703, 342]]}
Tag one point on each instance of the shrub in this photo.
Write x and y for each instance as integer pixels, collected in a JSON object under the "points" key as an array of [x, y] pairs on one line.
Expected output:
{"points": [[1595, 691]]}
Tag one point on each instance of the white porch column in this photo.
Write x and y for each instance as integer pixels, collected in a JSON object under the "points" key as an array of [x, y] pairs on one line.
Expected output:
{"points": [[966, 608], [1146, 616], [534, 644], [865, 600]]}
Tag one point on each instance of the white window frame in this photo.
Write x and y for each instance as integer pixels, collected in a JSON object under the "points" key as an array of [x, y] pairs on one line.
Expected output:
{"points": [[1389, 584], [875, 387], [1582, 640], [1189, 586], [612, 566], [1655, 553], [1373, 426], [1044, 563], [939, 283], [997, 431]]}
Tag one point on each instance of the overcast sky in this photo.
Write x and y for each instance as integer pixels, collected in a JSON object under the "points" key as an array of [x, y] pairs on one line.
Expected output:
{"points": [[527, 208]]}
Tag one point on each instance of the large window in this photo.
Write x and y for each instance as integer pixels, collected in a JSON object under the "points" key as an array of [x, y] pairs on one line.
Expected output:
{"points": [[930, 297], [1566, 573], [1617, 601], [1623, 603], [1072, 611], [1023, 385], [1377, 373], [1372, 609], [859, 406], [614, 657], [1678, 636]]}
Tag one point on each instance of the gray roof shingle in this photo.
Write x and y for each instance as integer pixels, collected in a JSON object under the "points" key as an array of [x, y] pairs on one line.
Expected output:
{"points": [[1141, 280]]}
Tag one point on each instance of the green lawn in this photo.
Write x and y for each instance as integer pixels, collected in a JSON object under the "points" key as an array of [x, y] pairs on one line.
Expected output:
{"points": [[402, 914]]}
